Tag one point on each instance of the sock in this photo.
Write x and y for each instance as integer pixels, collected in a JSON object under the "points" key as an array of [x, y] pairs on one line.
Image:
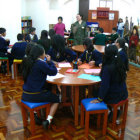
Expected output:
{"points": [[49, 118]]}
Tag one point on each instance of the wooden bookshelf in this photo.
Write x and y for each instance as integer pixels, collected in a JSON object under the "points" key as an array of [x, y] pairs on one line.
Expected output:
{"points": [[26, 25]]}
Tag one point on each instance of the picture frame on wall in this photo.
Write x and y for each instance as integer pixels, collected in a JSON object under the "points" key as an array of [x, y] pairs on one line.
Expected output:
{"points": [[111, 16]]}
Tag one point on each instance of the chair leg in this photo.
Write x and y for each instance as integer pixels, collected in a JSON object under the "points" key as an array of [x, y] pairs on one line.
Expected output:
{"points": [[99, 120], [14, 65], [47, 110], [8, 67], [125, 115], [38, 113], [82, 115], [32, 122], [114, 117], [105, 122], [24, 116], [86, 123]]}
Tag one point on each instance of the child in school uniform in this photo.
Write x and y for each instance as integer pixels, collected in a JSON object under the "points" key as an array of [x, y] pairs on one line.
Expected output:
{"points": [[44, 41], [4, 43], [18, 49], [100, 38], [114, 35], [138, 53], [133, 42], [113, 87], [35, 71], [91, 56], [122, 49], [32, 37], [59, 52]]}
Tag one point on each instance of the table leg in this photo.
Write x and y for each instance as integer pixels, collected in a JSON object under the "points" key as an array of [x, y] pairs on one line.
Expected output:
{"points": [[76, 110]]}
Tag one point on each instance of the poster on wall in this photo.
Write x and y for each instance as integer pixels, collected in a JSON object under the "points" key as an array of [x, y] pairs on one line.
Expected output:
{"points": [[94, 15], [111, 16]]}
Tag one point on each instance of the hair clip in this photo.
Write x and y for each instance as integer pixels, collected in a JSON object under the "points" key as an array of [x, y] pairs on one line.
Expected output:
{"points": [[116, 56]]}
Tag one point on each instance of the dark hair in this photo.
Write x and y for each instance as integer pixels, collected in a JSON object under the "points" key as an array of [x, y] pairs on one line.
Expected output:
{"points": [[20, 37], [114, 29], [2, 30], [137, 33], [29, 61], [58, 43], [32, 29], [51, 33], [30, 45], [60, 18], [112, 57], [122, 42], [101, 30], [89, 45], [44, 34]]}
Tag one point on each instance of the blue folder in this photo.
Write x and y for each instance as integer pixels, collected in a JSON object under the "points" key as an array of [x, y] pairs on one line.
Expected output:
{"points": [[90, 77]]}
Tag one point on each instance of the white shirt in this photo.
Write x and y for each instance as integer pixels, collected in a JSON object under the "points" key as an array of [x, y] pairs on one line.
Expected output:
{"points": [[119, 49], [31, 36], [121, 26]]}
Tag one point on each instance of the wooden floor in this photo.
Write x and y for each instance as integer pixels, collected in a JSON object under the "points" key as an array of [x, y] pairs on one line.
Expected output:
{"points": [[11, 127]]}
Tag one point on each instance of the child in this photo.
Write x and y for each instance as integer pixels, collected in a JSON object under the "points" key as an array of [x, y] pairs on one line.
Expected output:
{"points": [[32, 37], [18, 49], [60, 27], [120, 27], [114, 35], [113, 74], [133, 44], [138, 53], [91, 56], [44, 41], [3, 43], [100, 38], [35, 71], [122, 49], [59, 52]]}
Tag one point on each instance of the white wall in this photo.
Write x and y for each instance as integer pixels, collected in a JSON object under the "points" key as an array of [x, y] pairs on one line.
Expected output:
{"points": [[45, 12], [126, 8], [10, 18]]}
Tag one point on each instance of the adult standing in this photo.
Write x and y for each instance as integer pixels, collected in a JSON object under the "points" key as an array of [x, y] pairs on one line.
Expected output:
{"points": [[60, 27], [79, 30], [131, 25], [126, 30], [120, 27]]}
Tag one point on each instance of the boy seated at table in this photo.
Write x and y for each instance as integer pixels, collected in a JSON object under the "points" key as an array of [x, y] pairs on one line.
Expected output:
{"points": [[32, 37], [100, 38], [18, 49], [113, 36], [4, 43], [59, 52], [90, 55]]}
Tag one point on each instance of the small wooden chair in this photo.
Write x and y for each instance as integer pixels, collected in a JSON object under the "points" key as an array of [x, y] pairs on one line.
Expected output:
{"points": [[113, 126], [91, 108], [70, 42], [31, 107], [7, 61], [15, 63]]}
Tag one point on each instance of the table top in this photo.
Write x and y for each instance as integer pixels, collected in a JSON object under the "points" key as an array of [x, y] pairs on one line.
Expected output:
{"points": [[81, 49], [71, 79], [107, 34]]}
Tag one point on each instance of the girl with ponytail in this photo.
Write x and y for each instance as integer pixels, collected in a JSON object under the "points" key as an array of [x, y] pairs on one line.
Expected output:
{"points": [[122, 49], [35, 71], [91, 56], [113, 78]]}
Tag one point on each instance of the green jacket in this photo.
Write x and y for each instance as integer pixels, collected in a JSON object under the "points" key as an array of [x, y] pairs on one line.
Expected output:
{"points": [[80, 32], [100, 39], [114, 37]]}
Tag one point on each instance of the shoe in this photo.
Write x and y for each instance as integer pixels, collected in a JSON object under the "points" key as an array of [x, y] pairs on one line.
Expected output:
{"points": [[38, 121], [46, 124]]}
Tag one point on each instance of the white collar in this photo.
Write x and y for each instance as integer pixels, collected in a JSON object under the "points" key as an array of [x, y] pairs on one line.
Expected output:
{"points": [[119, 49], [41, 59]]}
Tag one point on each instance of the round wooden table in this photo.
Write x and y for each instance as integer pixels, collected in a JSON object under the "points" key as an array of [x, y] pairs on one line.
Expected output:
{"points": [[81, 49], [73, 81]]}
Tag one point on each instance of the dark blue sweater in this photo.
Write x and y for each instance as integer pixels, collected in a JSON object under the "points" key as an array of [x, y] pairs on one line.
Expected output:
{"points": [[111, 90], [93, 56], [68, 55], [28, 38], [37, 78], [18, 50], [3, 45]]}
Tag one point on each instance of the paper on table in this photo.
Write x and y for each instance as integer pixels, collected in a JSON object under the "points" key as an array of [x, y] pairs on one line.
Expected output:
{"points": [[90, 77], [85, 66], [58, 69], [57, 76], [92, 70], [64, 65]]}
